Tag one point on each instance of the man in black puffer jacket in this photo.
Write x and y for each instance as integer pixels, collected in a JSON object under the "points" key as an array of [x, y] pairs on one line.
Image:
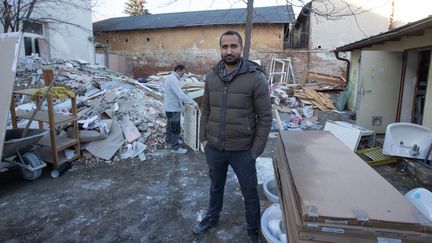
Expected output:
{"points": [[235, 123]]}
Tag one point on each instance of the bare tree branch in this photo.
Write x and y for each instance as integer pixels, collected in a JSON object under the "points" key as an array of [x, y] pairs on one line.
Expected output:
{"points": [[355, 19], [14, 13]]}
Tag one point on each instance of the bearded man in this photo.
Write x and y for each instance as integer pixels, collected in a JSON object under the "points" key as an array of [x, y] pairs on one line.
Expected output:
{"points": [[236, 119]]}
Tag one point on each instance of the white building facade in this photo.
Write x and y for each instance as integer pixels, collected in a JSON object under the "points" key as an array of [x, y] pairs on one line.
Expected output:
{"points": [[59, 30]]}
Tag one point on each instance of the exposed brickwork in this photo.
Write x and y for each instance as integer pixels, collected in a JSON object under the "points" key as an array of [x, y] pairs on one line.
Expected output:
{"points": [[327, 63], [150, 52], [146, 65], [300, 64]]}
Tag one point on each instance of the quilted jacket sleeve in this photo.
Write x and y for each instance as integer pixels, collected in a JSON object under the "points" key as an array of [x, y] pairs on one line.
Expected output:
{"points": [[262, 106]]}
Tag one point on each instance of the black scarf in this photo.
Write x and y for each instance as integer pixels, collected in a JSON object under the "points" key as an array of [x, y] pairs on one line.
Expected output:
{"points": [[226, 75]]}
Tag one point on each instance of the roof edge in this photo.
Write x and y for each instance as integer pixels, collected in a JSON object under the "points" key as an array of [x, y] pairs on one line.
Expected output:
{"points": [[403, 30]]}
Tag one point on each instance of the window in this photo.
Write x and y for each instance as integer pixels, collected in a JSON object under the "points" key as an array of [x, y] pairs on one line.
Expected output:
{"points": [[31, 45], [33, 27], [31, 40]]}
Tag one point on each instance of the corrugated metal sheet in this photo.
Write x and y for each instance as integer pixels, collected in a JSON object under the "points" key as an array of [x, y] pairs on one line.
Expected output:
{"points": [[276, 14]]}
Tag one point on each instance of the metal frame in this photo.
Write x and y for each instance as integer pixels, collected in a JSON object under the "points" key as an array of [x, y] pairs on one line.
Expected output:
{"points": [[286, 73]]}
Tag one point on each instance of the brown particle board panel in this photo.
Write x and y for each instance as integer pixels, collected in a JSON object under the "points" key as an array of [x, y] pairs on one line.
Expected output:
{"points": [[314, 169], [334, 180], [329, 231], [289, 216]]}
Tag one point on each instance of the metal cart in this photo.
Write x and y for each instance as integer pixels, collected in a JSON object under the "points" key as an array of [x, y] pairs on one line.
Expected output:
{"points": [[17, 151]]}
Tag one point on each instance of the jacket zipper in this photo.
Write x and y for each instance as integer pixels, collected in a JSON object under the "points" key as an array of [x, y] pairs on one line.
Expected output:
{"points": [[223, 115]]}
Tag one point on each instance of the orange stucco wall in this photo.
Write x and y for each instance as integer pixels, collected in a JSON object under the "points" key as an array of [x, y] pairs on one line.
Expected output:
{"points": [[151, 51]]}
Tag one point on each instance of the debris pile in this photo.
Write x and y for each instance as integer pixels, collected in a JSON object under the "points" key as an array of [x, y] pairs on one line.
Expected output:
{"points": [[294, 106], [189, 82], [116, 114], [322, 101]]}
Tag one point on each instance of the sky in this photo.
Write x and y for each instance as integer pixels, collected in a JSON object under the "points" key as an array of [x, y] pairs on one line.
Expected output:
{"points": [[114, 8]]}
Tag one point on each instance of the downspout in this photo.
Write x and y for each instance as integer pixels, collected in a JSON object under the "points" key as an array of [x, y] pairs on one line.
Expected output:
{"points": [[348, 87], [348, 65], [105, 49]]}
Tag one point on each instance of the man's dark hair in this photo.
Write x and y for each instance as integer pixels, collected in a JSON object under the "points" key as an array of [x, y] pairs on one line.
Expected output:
{"points": [[232, 32], [179, 67]]}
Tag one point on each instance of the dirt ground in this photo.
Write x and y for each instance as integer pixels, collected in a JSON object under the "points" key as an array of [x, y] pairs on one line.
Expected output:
{"points": [[157, 200]]}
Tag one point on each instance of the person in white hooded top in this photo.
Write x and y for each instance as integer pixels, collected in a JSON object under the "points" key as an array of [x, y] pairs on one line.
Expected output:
{"points": [[174, 98]]}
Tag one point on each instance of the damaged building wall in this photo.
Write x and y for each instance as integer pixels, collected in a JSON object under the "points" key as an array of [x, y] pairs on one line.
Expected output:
{"points": [[66, 30], [300, 62], [75, 40], [324, 37], [373, 18], [150, 51]]}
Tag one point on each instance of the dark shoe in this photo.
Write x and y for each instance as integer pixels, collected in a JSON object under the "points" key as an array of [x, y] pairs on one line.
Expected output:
{"points": [[254, 236], [204, 225]]}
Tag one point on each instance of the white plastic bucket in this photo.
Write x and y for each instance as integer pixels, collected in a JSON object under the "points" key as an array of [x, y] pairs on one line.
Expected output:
{"points": [[271, 222], [421, 198], [270, 190]]}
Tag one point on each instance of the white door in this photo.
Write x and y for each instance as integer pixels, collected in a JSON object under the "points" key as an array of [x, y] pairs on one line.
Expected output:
{"points": [[377, 98]]}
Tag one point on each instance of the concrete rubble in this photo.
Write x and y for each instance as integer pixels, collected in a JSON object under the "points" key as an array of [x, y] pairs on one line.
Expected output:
{"points": [[106, 98]]}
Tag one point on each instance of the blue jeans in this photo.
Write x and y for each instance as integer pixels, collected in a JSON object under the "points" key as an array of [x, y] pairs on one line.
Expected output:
{"points": [[243, 165], [173, 129]]}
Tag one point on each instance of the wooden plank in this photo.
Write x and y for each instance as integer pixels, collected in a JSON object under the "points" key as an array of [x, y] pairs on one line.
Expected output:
{"points": [[326, 78], [52, 128], [325, 103]]}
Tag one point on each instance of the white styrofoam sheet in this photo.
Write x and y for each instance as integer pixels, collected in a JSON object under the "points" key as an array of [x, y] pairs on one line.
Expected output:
{"points": [[9, 49]]}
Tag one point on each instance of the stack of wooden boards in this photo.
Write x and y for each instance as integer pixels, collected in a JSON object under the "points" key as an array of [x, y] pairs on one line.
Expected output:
{"points": [[322, 81], [320, 100], [329, 194]]}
